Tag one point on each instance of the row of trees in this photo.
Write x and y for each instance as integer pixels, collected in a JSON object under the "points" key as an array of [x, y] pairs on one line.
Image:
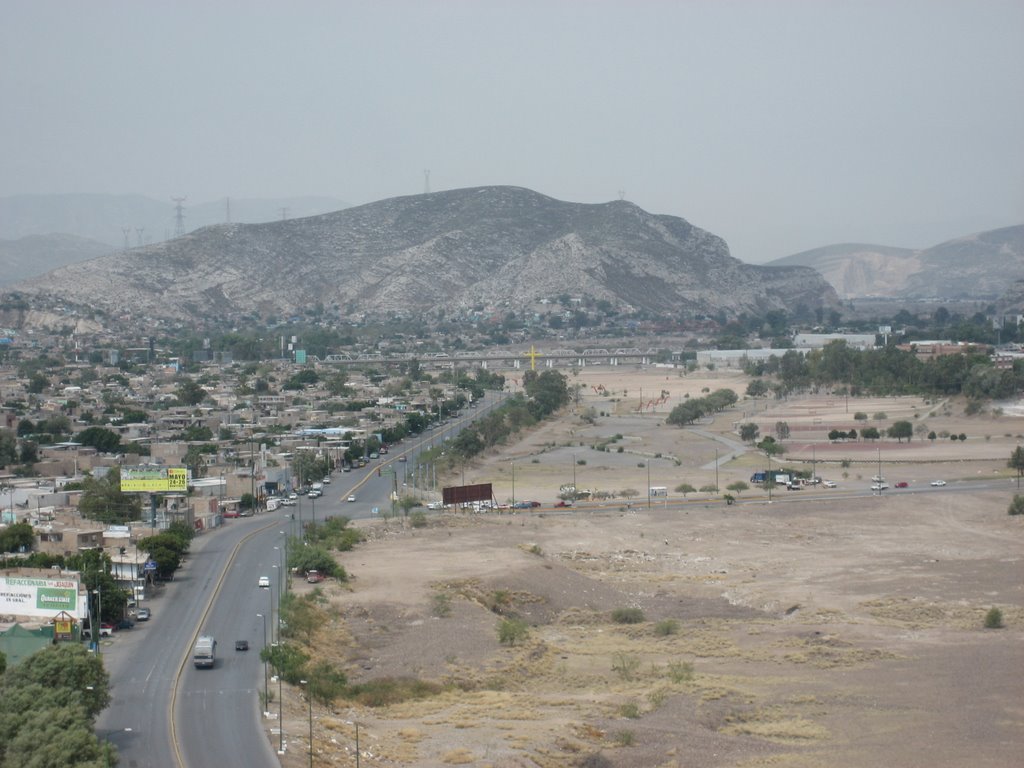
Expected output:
{"points": [[888, 371], [691, 410]]}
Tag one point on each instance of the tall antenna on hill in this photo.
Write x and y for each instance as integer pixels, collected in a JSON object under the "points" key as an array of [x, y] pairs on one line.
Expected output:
{"points": [[227, 206], [622, 194], [426, 182], [179, 216], [284, 213]]}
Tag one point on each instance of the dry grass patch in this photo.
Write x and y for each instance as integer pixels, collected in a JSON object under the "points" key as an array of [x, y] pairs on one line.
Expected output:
{"points": [[917, 613], [775, 725]]}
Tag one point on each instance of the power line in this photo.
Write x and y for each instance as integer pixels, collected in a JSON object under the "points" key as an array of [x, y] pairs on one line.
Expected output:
{"points": [[179, 216]]}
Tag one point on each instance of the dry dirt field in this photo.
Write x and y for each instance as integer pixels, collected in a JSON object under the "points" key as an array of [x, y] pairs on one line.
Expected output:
{"points": [[826, 628]]}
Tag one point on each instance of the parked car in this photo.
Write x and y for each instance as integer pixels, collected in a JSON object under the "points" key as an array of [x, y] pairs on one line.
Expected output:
{"points": [[106, 629], [938, 483], [902, 484], [829, 483], [125, 624], [435, 505], [142, 614], [314, 577], [264, 582]]}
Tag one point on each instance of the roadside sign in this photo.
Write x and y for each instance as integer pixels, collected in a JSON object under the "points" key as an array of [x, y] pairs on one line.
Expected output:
{"points": [[375, 510]]}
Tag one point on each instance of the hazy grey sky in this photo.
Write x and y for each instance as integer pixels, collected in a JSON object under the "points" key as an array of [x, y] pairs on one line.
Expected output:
{"points": [[780, 125]]}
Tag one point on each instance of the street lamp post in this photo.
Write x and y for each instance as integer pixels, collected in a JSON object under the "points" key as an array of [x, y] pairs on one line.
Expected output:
{"points": [[266, 673], [309, 699], [513, 484], [280, 571], [648, 483]]}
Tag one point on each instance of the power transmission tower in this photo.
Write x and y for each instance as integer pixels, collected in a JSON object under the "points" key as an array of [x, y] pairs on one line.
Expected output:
{"points": [[179, 216], [227, 205], [426, 182], [284, 213], [138, 235], [126, 231]]}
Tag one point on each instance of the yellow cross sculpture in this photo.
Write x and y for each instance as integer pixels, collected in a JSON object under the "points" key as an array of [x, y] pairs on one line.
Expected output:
{"points": [[533, 355]]}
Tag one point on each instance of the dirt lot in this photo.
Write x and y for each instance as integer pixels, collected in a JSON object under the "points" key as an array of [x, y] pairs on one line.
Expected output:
{"points": [[826, 628]]}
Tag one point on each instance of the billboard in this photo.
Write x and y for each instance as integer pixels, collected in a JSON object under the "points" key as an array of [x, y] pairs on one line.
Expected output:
{"points": [[154, 479], [26, 596], [463, 494]]}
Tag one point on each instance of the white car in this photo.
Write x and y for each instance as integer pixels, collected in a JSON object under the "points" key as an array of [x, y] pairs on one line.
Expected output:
{"points": [[879, 486], [264, 582], [829, 483], [938, 483], [435, 505], [352, 497]]}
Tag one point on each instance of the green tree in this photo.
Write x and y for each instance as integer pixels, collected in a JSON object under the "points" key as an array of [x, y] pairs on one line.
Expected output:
{"points": [[1017, 505], [102, 439], [189, 392], [900, 430], [757, 388], [1016, 463], [17, 537], [749, 432], [781, 430], [685, 488], [103, 500], [8, 448]]}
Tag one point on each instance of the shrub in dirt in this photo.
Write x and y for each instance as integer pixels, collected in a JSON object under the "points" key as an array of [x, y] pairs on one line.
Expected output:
{"points": [[595, 761], [994, 619], [630, 710], [391, 690], [512, 631], [625, 738], [441, 604], [680, 671], [666, 627], [625, 665], [627, 615], [418, 520], [1016, 506]]}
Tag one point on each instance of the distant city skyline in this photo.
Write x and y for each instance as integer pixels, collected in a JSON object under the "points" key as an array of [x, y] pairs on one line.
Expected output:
{"points": [[779, 125]]}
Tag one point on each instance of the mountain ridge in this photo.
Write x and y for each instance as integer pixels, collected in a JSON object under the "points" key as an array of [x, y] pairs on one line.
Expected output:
{"points": [[501, 247]]}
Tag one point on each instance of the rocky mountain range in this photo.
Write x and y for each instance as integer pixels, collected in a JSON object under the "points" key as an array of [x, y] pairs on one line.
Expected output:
{"points": [[497, 248], [978, 266]]}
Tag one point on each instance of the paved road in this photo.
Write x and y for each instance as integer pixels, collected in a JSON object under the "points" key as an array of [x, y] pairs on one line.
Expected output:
{"points": [[217, 712], [143, 662]]}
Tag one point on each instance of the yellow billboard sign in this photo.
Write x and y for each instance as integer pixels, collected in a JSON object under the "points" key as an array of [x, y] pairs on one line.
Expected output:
{"points": [[154, 480]]}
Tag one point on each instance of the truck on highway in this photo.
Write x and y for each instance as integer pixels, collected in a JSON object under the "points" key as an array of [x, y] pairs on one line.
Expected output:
{"points": [[204, 654]]}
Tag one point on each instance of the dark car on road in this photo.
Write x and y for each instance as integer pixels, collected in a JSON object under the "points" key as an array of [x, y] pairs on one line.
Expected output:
{"points": [[241, 645]]}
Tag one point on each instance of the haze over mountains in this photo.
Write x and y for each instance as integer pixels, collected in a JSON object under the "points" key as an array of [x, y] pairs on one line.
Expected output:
{"points": [[978, 266], [500, 248], [105, 217]]}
